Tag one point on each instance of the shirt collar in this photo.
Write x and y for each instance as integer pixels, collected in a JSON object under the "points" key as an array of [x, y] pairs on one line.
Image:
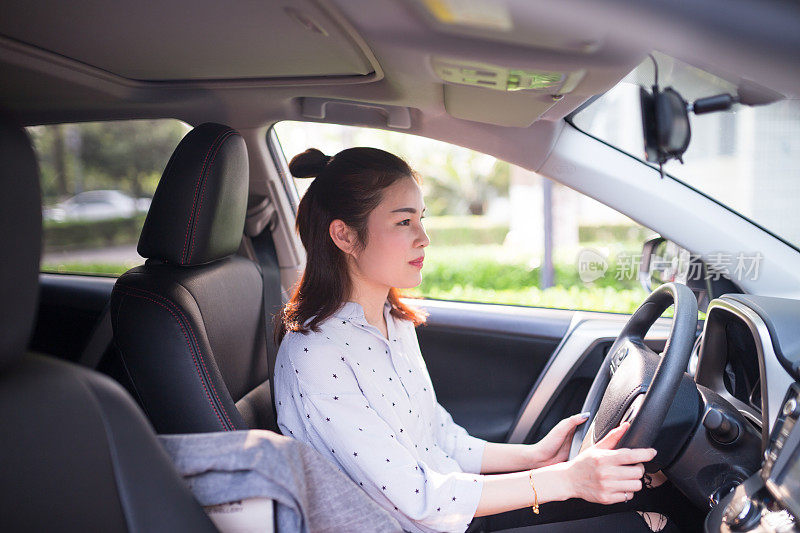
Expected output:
{"points": [[354, 311]]}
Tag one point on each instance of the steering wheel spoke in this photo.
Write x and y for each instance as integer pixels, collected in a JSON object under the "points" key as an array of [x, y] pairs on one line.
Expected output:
{"points": [[635, 383]]}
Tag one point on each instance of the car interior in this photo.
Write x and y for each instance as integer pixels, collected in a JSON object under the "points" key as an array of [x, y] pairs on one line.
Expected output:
{"points": [[93, 367]]}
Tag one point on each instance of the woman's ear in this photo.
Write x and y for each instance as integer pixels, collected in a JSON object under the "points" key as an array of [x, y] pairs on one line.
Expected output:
{"points": [[343, 236]]}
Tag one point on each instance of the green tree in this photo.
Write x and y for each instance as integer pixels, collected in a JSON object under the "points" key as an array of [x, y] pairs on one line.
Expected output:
{"points": [[128, 155], [125, 155]]}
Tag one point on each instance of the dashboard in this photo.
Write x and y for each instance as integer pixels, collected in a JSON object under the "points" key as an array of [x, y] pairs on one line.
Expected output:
{"points": [[749, 355], [731, 363]]}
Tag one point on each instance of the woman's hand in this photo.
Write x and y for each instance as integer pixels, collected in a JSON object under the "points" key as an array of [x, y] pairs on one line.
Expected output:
{"points": [[604, 475], [554, 447]]}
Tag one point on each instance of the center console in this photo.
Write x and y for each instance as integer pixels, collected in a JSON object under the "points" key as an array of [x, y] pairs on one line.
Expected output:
{"points": [[769, 501]]}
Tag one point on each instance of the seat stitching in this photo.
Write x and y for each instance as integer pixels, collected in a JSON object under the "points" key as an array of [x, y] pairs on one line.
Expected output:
{"points": [[186, 338], [203, 189], [202, 360], [194, 198]]}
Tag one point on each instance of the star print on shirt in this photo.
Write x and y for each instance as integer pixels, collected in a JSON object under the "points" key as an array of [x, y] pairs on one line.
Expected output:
{"points": [[335, 392]]}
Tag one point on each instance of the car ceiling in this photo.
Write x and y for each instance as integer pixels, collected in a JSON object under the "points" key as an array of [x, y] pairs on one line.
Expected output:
{"points": [[251, 63]]}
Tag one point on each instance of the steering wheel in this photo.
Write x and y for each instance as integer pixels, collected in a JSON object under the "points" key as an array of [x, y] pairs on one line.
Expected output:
{"points": [[634, 383]]}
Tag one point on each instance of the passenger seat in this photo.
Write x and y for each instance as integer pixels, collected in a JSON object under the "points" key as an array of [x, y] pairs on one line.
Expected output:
{"points": [[190, 324]]}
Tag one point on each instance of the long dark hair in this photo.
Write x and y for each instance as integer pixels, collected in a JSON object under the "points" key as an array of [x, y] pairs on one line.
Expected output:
{"points": [[347, 186]]}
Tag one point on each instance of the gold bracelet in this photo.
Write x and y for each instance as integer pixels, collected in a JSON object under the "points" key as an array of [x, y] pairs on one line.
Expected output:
{"points": [[535, 506]]}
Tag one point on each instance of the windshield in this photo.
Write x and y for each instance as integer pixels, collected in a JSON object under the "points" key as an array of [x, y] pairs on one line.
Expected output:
{"points": [[747, 159]]}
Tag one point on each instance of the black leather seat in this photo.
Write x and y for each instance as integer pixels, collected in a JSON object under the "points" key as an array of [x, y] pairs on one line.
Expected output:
{"points": [[77, 454], [189, 323]]}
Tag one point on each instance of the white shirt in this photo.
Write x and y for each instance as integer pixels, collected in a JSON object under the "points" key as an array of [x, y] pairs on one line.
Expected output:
{"points": [[367, 403]]}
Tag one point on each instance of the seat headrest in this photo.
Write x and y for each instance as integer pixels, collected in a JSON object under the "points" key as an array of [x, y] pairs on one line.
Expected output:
{"points": [[198, 210], [20, 239]]}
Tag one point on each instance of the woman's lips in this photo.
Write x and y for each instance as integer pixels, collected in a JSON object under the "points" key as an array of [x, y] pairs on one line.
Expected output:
{"points": [[417, 262]]}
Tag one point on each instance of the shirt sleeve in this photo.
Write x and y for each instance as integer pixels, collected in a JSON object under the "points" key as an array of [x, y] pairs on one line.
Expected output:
{"points": [[460, 445], [339, 418]]}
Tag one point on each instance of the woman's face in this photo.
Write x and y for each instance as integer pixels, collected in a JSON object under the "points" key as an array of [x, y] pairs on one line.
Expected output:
{"points": [[396, 239]]}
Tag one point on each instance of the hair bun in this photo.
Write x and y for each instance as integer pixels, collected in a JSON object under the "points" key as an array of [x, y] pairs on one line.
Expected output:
{"points": [[309, 164]]}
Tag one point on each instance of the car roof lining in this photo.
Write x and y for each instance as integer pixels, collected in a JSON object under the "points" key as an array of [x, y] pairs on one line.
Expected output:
{"points": [[397, 40]]}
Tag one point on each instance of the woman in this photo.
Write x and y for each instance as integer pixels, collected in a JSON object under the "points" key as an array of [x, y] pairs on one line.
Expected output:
{"points": [[350, 379]]}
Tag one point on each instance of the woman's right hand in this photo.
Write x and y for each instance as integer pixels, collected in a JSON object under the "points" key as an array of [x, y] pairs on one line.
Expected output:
{"points": [[604, 475]]}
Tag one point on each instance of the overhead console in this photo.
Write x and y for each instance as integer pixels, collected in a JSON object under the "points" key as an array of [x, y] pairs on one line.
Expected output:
{"points": [[517, 96], [505, 64]]}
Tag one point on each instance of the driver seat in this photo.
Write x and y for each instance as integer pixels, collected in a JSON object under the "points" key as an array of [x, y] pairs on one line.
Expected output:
{"points": [[77, 453]]}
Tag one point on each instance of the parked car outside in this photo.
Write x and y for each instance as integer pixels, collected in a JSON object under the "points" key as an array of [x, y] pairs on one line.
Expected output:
{"points": [[97, 205]]}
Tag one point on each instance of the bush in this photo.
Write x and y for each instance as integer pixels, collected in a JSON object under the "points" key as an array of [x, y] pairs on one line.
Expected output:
{"points": [[613, 233], [475, 230], [494, 268], [455, 230], [78, 234]]}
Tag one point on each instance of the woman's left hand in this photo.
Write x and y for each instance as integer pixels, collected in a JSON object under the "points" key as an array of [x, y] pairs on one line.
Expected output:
{"points": [[554, 447]]}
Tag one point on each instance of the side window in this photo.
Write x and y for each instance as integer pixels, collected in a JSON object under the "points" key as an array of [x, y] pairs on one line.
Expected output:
{"points": [[500, 233], [97, 183]]}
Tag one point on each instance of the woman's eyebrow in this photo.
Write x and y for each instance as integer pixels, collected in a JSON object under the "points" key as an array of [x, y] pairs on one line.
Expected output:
{"points": [[408, 210]]}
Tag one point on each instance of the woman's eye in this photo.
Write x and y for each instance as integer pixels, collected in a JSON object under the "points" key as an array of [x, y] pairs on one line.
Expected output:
{"points": [[405, 222]]}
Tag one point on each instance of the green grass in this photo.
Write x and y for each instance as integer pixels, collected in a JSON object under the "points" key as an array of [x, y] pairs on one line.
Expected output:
{"points": [[104, 269], [576, 298]]}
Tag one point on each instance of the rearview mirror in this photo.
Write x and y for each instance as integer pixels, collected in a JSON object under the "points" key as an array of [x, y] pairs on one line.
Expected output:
{"points": [[663, 261]]}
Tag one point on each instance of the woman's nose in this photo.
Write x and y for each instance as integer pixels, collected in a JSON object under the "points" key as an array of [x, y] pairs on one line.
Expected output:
{"points": [[422, 239]]}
